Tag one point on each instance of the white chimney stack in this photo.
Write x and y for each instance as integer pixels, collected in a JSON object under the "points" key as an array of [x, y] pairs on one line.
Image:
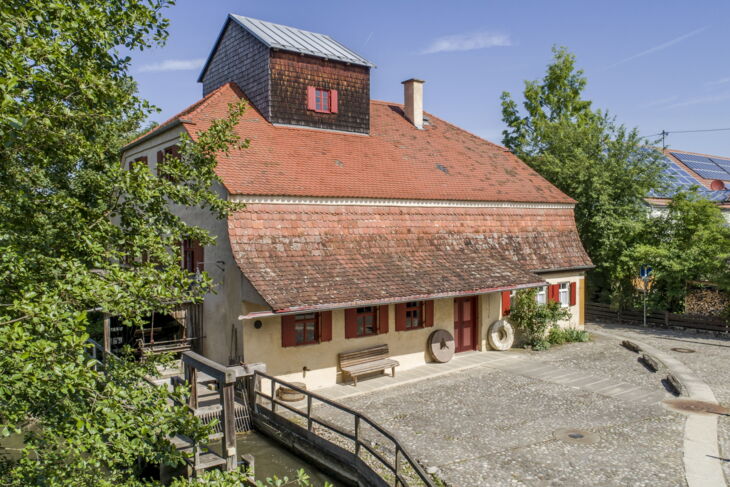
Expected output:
{"points": [[413, 101]]}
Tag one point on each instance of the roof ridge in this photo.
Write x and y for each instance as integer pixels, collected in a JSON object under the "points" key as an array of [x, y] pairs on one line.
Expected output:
{"points": [[190, 110], [703, 154]]}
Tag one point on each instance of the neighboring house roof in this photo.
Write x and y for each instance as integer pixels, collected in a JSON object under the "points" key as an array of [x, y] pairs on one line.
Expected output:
{"points": [[397, 160], [285, 38], [326, 256], [686, 169]]}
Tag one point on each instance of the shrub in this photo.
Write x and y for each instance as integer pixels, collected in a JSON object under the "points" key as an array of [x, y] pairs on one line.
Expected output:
{"points": [[558, 336], [534, 319]]}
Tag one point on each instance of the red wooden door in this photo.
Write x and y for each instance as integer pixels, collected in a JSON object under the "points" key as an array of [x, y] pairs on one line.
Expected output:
{"points": [[465, 324]]}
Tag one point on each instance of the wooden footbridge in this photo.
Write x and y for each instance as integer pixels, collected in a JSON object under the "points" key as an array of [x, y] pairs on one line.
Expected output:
{"points": [[357, 450]]}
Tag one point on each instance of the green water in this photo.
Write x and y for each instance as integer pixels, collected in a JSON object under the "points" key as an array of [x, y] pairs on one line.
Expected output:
{"points": [[271, 459]]}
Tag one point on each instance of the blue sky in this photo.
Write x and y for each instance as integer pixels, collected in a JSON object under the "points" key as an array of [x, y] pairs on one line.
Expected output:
{"points": [[653, 64]]}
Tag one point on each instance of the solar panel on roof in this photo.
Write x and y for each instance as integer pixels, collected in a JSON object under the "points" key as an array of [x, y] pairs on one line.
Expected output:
{"points": [[680, 180], [723, 163], [677, 178], [690, 157], [707, 170], [704, 166]]}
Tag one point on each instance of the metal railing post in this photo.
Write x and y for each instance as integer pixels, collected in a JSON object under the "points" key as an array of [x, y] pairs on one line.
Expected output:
{"points": [[273, 399], [357, 435], [397, 465], [309, 413]]}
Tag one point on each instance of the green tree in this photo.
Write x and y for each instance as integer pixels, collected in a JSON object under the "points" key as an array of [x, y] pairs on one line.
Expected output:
{"points": [[78, 232], [584, 152], [690, 242]]}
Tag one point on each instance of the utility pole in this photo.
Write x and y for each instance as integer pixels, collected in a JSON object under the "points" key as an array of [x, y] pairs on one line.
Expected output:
{"points": [[664, 134]]}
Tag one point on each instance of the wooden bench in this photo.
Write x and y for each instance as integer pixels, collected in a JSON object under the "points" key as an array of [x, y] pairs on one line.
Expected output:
{"points": [[367, 360]]}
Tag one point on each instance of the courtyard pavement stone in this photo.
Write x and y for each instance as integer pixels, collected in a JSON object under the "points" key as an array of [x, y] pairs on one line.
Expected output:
{"points": [[492, 426]]}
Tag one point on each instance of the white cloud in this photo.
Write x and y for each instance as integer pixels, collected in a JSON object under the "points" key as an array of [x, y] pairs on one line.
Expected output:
{"points": [[660, 101], [467, 42], [173, 65], [701, 100], [721, 81], [660, 47]]}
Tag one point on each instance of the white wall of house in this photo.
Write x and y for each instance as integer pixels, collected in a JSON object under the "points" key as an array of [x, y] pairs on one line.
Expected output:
{"points": [[221, 309]]}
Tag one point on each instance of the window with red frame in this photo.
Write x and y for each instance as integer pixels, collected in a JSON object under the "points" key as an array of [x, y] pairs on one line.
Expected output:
{"points": [[306, 329], [192, 256], [322, 101], [414, 314], [366, 321]]}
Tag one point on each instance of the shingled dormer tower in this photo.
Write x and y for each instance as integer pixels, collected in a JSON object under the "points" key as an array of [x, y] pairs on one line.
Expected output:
{"points": [[293, 77]]}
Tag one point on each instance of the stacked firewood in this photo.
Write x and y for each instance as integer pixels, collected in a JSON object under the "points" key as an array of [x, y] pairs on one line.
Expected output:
{"points": [[706, 302]]}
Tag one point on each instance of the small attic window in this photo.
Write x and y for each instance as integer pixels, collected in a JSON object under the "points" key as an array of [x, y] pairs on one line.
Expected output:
{"points": [[321, 100]]}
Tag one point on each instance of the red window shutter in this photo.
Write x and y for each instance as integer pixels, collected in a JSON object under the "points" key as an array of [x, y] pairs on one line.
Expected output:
{"points": [[325, 326], [311, 95], [199, 257], [333, 101], [505, 303], [400, 316], [351, 323], [383, 319], [554, 293], [288, 334], [573, 299], [428, 312]]}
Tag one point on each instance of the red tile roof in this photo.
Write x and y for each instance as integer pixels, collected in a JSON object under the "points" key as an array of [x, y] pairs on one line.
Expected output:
{"points": [[310, 256], [396, 160]]}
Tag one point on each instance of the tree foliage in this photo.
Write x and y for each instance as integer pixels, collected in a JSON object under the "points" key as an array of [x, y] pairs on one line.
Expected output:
{"points": [[584, 152], [690, 242], [79, 232]]}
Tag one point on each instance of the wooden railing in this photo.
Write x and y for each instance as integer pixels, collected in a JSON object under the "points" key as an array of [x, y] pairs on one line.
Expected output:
{"points": [[401, 461], [603, 312]]}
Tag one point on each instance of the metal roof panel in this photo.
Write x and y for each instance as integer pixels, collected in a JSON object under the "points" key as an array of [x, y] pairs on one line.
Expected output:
{"points": [[287, 38]]}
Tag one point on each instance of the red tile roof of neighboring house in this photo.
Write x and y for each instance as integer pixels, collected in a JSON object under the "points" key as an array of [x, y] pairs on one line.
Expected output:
{"points": [[324, 256], [441, 162]]}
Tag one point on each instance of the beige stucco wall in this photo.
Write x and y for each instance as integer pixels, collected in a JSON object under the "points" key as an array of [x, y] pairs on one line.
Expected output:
{"points": [[575, 311], [408, 347]]}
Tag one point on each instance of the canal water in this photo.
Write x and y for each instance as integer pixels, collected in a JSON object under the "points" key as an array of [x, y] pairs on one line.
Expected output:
{"points": [[271, 459]]}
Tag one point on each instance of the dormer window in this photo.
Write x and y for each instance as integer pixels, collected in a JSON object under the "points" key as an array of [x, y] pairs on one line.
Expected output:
{"points": [[321, 101]]}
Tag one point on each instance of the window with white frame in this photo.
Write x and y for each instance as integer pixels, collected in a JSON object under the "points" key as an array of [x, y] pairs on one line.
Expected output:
{"points": [[564, 294], [541, 295]]}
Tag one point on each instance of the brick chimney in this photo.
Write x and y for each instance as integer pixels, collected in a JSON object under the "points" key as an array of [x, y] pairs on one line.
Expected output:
{"points": [[413, 101]]}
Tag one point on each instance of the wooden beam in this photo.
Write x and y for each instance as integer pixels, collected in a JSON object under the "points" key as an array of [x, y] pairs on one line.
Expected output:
{"points": [[229, 427], [221, 373]]}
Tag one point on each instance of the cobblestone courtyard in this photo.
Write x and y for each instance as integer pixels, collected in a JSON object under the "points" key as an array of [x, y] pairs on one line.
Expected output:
{"points": [[509, 423]]}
